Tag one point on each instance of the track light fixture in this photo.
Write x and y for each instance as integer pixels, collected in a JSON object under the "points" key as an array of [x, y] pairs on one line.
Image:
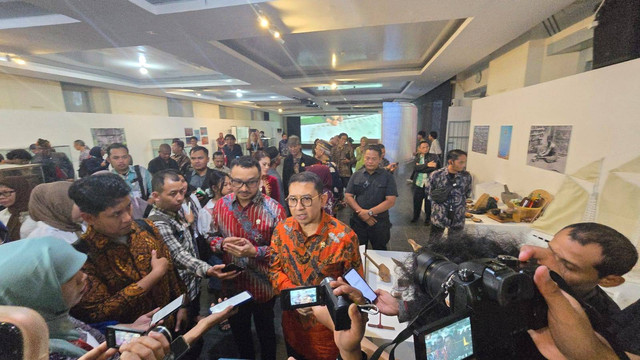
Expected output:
{"points": [[264, 22]]}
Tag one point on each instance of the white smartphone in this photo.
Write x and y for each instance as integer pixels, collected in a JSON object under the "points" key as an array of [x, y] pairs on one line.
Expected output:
{"points": [[169, 309], [241, 298], [354, 279]]}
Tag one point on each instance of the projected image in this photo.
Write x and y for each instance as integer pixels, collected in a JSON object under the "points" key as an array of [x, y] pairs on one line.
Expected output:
{"points": [[325, 127], [303, 296], [452, 342]]}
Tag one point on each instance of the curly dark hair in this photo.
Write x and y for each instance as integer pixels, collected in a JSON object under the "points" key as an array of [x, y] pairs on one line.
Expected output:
{"points": [[94, 194]]}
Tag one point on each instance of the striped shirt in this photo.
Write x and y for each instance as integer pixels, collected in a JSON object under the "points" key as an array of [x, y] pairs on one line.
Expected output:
{"points": [[176, 235], [256, 223]]}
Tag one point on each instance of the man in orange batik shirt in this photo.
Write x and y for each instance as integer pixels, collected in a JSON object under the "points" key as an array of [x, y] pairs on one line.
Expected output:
{"points": [[305, 248]]}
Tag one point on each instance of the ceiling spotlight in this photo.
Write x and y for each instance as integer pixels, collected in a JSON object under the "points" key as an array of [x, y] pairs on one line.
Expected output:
{"points": [[144, 71], [142, 60], [276, 34], [198, 94], [334, 86], [280, 110], [238, 93], [334, 60], [264, 22], [19, 61]]}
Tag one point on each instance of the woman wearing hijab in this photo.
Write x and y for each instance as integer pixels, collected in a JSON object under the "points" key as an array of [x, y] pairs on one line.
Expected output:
{"points": [[56, 214], [94, 163], [325, 175], [14, 196], [46, 277]]}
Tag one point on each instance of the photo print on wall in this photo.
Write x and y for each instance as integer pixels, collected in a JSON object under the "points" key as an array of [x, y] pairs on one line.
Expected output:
{"points": [[480, 139], [188, 131], [108, 136], [504, 146], [548, 147]]}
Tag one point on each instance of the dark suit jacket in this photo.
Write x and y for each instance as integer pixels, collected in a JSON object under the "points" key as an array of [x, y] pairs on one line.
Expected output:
{"points": [[287, 169]]}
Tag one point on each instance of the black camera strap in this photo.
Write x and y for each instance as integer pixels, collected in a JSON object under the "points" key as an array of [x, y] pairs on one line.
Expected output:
{"points": [[408, 332]]}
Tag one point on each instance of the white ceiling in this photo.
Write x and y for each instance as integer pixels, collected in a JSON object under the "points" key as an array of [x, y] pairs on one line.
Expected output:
{"points": [[208, 50]]}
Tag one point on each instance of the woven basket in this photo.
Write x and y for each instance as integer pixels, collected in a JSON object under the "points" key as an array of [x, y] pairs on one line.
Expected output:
{"points": [[523, 214]]}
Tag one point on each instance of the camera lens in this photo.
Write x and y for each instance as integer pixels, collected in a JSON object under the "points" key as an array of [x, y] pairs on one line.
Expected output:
{"points": [[433, 270], [164, 331]]}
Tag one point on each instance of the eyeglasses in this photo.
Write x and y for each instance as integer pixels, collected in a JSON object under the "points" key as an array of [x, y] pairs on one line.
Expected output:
{"points": [[304, 200], [7, 193], [237, 183]]}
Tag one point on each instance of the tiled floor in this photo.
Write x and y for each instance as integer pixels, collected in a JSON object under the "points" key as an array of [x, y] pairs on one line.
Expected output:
{"points": [[220, 344]]}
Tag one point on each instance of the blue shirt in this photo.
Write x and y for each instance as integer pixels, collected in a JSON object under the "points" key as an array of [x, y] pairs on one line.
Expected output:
{"points": [[131, 179]]}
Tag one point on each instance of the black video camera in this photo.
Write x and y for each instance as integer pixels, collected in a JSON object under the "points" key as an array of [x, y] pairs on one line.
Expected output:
{"points": [[498, 295], [322, 294]]}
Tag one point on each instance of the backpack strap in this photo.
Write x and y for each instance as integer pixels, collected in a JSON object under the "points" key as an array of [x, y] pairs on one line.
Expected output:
{"points": [[143, 191], [145, 226]]}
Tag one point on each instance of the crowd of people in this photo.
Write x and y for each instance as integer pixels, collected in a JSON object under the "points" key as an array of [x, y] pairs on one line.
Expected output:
{"points": [[124, 240]]}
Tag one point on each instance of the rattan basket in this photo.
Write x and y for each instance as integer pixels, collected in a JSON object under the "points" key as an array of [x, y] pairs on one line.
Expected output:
{"points": [[523, 214]]}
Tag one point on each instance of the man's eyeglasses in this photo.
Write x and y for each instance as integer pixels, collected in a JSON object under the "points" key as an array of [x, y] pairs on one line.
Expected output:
{"points": [[7, 193], [304, 200], [237, 183]]}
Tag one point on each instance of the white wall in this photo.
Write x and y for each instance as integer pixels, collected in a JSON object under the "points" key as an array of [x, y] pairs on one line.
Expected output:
{"points": [[601, 105], [19, 128]]}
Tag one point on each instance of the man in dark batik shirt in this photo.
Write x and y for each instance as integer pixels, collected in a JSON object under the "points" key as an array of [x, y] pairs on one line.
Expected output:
{"points": [[450, 213]]}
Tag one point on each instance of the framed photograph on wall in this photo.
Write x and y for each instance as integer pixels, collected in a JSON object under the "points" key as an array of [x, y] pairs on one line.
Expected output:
{"points": [[107, 136], [549, 147], [480, 139], [188, 131], [504, 146]]}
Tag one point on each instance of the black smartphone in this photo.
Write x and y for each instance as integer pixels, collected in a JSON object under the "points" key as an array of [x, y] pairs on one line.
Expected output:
{"points": [[118, 335], [232, 267], [354, 279], [300, 297]]}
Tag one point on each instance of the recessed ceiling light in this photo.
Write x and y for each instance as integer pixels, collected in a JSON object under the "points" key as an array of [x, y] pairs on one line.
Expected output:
{"points": [[142, 60], [264, 22], [276, 34], [273, 97], [144, 71], [238, 93], [334, 86], [280, 110], [19, 61], [334, 60], [198, 94]]}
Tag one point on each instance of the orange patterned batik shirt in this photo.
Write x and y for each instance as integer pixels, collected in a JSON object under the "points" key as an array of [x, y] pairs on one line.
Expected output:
{"points": [[300, 260]]}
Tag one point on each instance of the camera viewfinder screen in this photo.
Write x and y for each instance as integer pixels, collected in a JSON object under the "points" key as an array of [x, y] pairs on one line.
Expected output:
{"points": [[452, 342], [123, 337], [303, 296]]}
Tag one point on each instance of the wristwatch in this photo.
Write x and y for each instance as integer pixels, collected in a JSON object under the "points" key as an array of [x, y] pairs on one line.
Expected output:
{"points": [[370, 213]]}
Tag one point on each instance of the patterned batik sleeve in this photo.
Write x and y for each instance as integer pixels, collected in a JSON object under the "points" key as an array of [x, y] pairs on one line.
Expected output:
{"points": [[277, 276], [98, 304]]}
